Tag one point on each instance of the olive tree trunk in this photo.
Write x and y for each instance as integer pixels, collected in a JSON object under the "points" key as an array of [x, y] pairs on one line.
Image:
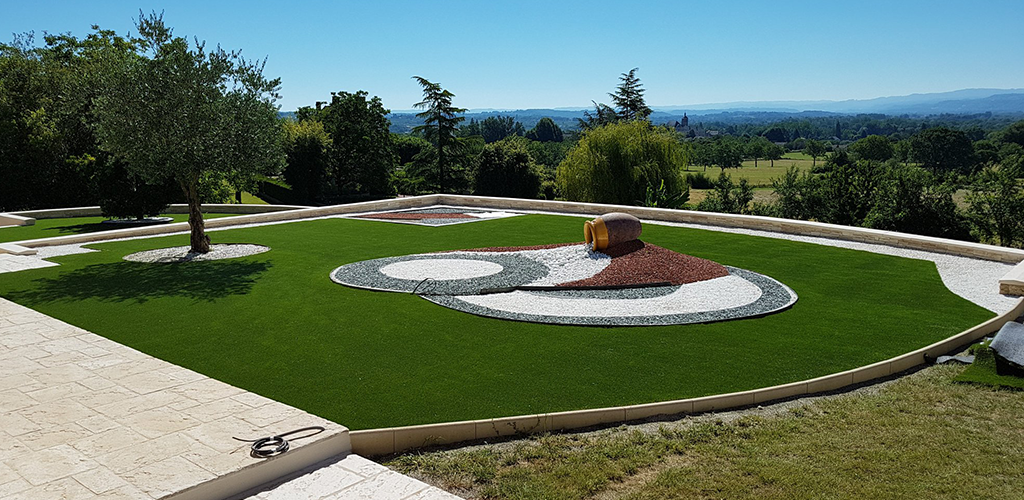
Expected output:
{"points": [[198, 239]]}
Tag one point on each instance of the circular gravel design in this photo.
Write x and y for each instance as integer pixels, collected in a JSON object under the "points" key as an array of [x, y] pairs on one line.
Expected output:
{"points": [[736, 294], [440, 269], [183, 254]]}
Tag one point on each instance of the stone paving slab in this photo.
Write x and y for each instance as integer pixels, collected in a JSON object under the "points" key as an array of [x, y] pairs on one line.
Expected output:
{"points": [[84, 417], [351, 478], [11, 263]]}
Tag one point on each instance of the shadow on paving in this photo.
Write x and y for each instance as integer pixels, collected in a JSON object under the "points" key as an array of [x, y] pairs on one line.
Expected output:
{"points": [[139, 282]]}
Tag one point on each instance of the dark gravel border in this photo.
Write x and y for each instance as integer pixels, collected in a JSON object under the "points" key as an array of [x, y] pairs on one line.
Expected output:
{"points": [[516, 270]]}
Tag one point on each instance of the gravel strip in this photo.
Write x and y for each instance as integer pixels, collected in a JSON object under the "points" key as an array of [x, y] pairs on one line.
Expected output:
{"points": [[973, 279], [184, 254], [148, 221], [61, 250]]}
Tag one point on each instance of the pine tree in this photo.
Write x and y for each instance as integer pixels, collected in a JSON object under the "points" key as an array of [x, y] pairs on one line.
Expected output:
{"points": [[629, 98], [440, 123]]}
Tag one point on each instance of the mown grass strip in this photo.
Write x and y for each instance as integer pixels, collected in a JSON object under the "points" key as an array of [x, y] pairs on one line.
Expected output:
{"points": [[923, 436]]}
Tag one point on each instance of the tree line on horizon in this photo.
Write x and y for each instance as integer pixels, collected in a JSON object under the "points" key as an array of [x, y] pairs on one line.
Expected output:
{"points": [[136, 123]]}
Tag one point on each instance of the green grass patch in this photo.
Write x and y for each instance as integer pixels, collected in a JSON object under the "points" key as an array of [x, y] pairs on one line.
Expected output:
{"points": [[763, 174], [922, 436], [276, 325], [983, 371], [47, 228]]}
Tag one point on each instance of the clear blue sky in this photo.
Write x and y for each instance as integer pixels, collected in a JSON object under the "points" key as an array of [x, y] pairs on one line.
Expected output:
{"points": [[538, 54]]}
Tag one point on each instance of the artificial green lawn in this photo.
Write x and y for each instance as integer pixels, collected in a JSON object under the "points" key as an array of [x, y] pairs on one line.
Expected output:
{"points": [[276, 325], [47, 228]]}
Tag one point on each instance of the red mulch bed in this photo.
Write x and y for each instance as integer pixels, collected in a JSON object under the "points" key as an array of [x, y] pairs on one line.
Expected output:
{"points": [[636, 262], [409, 216]]}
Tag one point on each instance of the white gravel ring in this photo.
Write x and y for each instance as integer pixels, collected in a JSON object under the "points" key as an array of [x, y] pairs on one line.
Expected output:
{"points": [[440, 269], [184, 254]]}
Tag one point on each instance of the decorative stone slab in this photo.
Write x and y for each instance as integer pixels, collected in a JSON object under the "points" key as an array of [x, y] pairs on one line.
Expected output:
{"points": [[1013, 282], [351, 477], [15, 220], [13, 249], [1009, 344], [84, 417]]}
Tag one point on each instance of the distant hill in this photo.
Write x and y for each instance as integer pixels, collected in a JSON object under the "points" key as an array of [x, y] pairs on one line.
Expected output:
{"points": [[966, 101], [970, 100]]}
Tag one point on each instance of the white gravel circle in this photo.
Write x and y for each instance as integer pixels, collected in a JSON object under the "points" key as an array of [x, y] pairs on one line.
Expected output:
{"points": [[441, 269], [183, 254]]}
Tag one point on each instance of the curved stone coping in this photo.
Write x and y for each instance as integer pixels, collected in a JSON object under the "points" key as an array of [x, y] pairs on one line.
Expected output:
{"points": [[808, 228], [385, 441]]}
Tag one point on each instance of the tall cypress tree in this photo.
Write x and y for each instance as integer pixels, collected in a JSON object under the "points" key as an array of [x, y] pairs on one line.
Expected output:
{"points": [[440, 123]]}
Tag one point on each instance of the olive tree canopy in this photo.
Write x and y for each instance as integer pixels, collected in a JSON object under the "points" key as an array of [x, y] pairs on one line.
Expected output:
{"points": [[201, 118]]}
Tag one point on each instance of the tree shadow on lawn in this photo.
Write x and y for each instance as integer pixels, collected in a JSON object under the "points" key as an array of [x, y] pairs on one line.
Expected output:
{"points": [[140, 282]]}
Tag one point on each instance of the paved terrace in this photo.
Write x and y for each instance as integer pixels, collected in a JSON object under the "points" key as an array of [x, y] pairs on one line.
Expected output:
{"points": [[83, 417]]}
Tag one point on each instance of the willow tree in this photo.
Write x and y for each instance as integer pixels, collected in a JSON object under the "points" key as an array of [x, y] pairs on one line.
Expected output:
{"points": [[200, 118], [440, 124]]}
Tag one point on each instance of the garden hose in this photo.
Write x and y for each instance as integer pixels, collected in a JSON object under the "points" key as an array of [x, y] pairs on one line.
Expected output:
{"points": [[277, 444]]}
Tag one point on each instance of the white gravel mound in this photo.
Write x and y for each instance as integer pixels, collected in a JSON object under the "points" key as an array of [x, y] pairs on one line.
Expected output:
{"points": [[183, 254]]}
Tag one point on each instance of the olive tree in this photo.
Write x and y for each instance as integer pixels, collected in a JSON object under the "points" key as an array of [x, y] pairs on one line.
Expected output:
{"points": [[177, 111]]}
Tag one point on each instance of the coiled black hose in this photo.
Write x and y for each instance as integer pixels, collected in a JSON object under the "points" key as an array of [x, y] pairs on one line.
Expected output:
{"points": [[277, 444]]}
